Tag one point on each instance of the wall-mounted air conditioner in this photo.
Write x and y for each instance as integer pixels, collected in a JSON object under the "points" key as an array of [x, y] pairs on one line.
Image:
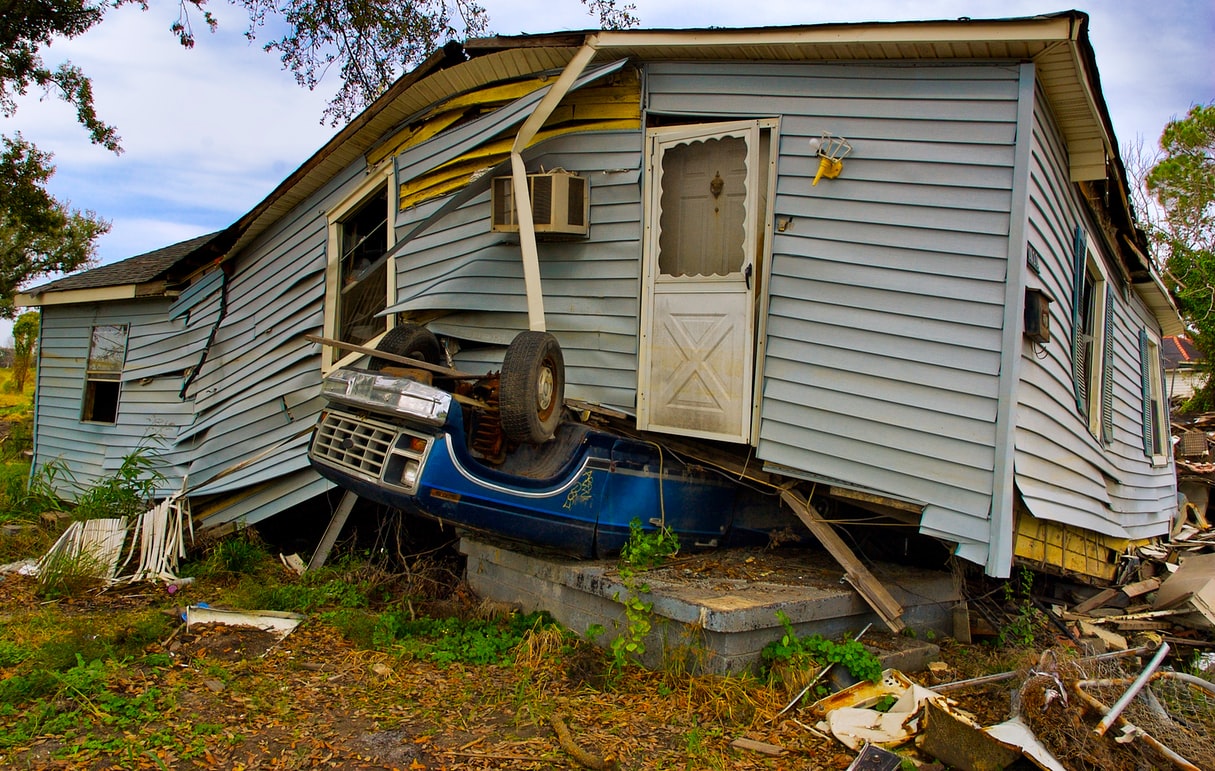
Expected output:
{"points": [[560, 204]]}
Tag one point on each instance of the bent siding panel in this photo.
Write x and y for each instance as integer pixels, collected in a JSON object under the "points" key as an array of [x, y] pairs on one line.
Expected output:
{"points": [[590, 285], [886, 282], [1063, 472], [258, 387]]}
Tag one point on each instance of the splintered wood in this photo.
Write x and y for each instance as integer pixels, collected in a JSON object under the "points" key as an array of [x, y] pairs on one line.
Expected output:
{"points": [[855, 571]]}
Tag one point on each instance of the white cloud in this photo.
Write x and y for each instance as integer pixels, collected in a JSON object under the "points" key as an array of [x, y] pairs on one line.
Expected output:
{"points": [[210, 132]]}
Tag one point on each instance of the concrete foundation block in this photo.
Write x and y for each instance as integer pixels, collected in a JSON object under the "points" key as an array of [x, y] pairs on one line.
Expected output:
{"points": [[716, 615]]}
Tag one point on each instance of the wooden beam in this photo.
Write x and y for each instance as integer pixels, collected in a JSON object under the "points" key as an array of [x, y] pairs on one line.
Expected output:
{"points": [[855, 571], [331, 533], [415, 363]]}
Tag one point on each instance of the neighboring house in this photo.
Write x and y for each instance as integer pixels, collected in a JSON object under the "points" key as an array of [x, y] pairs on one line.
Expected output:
{"points": [[962, 326], [1182, 367]]}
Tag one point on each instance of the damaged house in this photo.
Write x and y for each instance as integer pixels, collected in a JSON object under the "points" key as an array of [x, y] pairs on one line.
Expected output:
{"points": [[893, 264]]}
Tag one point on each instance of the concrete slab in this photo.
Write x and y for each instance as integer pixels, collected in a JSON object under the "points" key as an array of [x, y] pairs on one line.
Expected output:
{"points": [[715, 612]]}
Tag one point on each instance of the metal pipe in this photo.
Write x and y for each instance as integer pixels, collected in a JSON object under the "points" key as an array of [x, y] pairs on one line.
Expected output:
{"points": [[996, 678], [1133, 691]]}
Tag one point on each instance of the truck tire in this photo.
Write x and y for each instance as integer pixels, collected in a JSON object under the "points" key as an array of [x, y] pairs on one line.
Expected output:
{"points": [[532, 392], [412, 340]]}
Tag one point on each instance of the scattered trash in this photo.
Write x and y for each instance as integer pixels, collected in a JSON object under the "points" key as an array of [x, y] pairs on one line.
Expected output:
{"points": [[959, 742], [89, 547], [21, 568], [873, 758], [173, 587], [1193, 585], [234, 635], [886, 713], [278, 623], [294, 562]]}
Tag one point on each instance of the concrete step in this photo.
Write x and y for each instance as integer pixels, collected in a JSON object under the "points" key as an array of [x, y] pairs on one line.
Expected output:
{"points": [[715, 612]]}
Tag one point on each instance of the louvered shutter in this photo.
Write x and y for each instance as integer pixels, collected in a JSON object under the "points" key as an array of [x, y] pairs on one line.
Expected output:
{"points": [[1079, 373], [1145, 374], [1107, 371]]}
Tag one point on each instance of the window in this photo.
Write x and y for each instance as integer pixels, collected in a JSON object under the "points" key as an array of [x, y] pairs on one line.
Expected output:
{"points": [[1156, 437], [1092, 322], [358, 287], [703, 217], [103, 373]]}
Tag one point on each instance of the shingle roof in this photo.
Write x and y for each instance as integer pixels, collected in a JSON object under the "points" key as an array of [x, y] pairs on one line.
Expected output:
{"points": [[133, 270], [1179, 351]]}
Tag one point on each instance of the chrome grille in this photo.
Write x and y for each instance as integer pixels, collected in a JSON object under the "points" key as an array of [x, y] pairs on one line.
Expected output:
{"points": [[359, 445]]}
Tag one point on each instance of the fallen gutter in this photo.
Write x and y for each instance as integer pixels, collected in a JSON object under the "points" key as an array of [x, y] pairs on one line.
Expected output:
{"points": [[523, 201]]}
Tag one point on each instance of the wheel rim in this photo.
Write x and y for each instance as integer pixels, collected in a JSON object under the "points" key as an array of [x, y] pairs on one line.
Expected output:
{"points": [[544, 389]]}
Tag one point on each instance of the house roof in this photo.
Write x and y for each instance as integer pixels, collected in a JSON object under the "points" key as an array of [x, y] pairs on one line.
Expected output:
{"points": [[140, 275], [1057, 43], [1179, 351]]}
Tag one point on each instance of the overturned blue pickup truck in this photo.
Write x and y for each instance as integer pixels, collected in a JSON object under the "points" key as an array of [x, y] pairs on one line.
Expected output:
{"points": [[467, 455]]}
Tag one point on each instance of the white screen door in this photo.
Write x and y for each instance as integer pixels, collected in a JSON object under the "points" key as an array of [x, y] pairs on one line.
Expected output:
{"points": [[696, 358]]}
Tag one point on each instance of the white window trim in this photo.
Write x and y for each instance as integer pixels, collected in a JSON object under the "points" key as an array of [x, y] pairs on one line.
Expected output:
{"points": [[104, 376], [332, 358], [1155, 377], [1096, 372]]}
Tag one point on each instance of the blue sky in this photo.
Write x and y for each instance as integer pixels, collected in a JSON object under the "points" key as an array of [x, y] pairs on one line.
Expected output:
{"points": [[209, 132]]}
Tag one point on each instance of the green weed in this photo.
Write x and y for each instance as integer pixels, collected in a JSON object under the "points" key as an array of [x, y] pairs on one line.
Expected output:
{"points": [[647, 550], [241, 552], [12, 654], [451, 640], [125, 493], [819, 651], [65, 575], [642, 550], [1022, 630]]}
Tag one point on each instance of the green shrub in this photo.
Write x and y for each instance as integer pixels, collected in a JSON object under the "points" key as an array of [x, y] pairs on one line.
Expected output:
{"points": [[816, 649], [127, 492]]}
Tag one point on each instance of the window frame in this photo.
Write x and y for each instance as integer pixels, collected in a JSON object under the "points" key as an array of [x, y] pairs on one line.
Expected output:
{"points": [[1157, 437], [1095, 401], [331, 358], [95, 377]]}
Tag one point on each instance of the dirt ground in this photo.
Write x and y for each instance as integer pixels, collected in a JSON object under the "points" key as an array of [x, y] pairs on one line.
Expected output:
{"points": [[241, 698]]}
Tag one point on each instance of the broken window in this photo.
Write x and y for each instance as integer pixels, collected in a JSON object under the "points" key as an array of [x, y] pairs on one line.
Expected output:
{"points": [[364, 271], [103, 373], [360, 234]]}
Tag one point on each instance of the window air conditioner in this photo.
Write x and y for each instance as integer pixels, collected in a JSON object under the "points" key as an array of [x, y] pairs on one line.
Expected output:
{"points": [[560, 204]]}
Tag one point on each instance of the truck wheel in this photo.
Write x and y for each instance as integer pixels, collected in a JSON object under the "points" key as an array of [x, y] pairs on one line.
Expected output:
{"points": [[412, 340], [532, 392]]}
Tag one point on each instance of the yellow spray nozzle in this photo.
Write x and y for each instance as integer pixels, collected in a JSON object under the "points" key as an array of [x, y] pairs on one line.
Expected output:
{"points": [[829, 168]]}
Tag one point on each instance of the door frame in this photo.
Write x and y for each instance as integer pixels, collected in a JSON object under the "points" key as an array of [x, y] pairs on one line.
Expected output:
{"points": [[766, 154]]}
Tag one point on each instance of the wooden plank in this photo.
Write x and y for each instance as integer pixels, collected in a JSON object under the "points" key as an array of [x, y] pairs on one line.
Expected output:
{"points": [[857, 574], [1141, 587], [743, 743], [331, 532], [1096, 601]]}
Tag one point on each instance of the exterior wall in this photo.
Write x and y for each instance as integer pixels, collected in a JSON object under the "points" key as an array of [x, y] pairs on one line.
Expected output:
{"points": [[1182, 383], [149, 414], [1064, 473], [257, 395], [886, 294], [475, 276], [886, 302]]}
